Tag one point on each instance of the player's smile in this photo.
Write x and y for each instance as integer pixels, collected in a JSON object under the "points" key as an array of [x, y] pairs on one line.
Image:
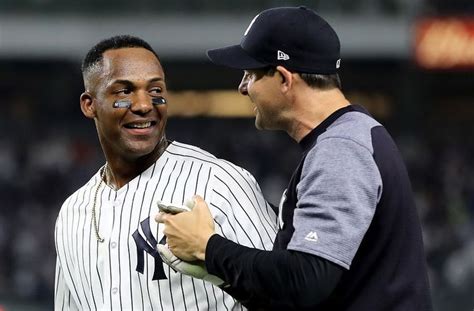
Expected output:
{"points": [[140, 128], [141, 133]]}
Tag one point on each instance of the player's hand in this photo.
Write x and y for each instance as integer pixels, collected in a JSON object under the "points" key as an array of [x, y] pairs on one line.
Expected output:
{"points": [[195, 269], [187, 233]]}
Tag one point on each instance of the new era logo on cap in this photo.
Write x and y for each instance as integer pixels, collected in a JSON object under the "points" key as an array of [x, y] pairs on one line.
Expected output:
{"points": [[282, 55]]}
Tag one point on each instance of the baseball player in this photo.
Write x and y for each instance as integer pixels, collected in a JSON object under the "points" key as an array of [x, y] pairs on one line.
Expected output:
{"points": [[349, 237], [105, 235]]}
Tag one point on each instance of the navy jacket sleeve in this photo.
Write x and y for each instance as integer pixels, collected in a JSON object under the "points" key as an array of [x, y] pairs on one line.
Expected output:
{"points": [[278, 279]]}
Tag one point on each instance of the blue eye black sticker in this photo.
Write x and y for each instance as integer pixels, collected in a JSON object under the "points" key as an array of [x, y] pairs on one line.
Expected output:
{"points": [[126, 103], [158, 100]]}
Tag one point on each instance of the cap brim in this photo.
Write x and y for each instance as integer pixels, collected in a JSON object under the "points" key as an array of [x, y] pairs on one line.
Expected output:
{"points": [[234, 57]]}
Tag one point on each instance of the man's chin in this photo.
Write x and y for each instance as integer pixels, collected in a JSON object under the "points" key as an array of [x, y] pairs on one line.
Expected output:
{"points": [[259, 124], [136, 151]]}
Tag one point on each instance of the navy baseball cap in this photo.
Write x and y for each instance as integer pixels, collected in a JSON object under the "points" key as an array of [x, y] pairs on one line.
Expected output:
{"points": [[294, 37]]}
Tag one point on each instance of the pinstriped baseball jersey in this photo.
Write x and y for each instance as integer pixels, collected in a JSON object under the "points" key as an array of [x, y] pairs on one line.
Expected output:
{"points": [[125, 272]]}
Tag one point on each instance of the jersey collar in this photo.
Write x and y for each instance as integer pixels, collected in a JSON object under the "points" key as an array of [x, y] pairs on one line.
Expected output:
{"points": [[310, 139]]}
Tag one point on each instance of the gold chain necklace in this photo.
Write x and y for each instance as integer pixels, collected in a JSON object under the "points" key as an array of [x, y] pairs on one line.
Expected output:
{"points": [[94, 218], [102, 177]]}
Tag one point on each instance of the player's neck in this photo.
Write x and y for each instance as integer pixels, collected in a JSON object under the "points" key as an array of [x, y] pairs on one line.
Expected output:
{"points": [[120, 171]]}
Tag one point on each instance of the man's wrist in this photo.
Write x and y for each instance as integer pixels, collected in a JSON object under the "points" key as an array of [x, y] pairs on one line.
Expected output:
{"points": [[201, 254], [211, 246]]}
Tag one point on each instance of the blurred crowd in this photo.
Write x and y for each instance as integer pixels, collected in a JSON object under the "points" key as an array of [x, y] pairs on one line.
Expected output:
{"points": [[379, 7]]}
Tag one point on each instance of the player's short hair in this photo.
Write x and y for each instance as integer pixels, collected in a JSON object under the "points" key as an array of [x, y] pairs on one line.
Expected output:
{"points": [[314, 80], [96, 53]]}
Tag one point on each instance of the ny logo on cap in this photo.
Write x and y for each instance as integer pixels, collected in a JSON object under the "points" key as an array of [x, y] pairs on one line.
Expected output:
{"points": [[282, 55], [250, 25]]}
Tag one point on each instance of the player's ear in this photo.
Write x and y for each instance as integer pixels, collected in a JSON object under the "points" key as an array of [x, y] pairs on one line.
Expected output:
{"points": [[287, 78], [87, 105]]}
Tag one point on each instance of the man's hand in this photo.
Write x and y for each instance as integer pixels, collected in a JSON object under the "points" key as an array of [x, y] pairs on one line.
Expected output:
{"points": [[187, 233], [195, 269]]}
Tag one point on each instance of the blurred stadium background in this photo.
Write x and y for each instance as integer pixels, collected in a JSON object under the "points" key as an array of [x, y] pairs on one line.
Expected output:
{"points": [[410, 62]]}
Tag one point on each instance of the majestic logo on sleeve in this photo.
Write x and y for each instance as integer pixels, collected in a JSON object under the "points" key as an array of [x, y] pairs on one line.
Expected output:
{"points": [[148, 246], [312, 236]]}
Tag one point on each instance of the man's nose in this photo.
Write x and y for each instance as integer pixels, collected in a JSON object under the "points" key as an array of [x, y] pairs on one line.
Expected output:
{"points": [[243, 86], [141, 103]]}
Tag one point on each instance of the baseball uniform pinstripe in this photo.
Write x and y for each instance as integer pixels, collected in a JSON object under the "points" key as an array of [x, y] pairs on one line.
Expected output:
{"points": [[106, 276]]}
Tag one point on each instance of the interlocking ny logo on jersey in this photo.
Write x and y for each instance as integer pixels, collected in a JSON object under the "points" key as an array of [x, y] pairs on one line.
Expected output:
{"points": [[149, 246]]}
